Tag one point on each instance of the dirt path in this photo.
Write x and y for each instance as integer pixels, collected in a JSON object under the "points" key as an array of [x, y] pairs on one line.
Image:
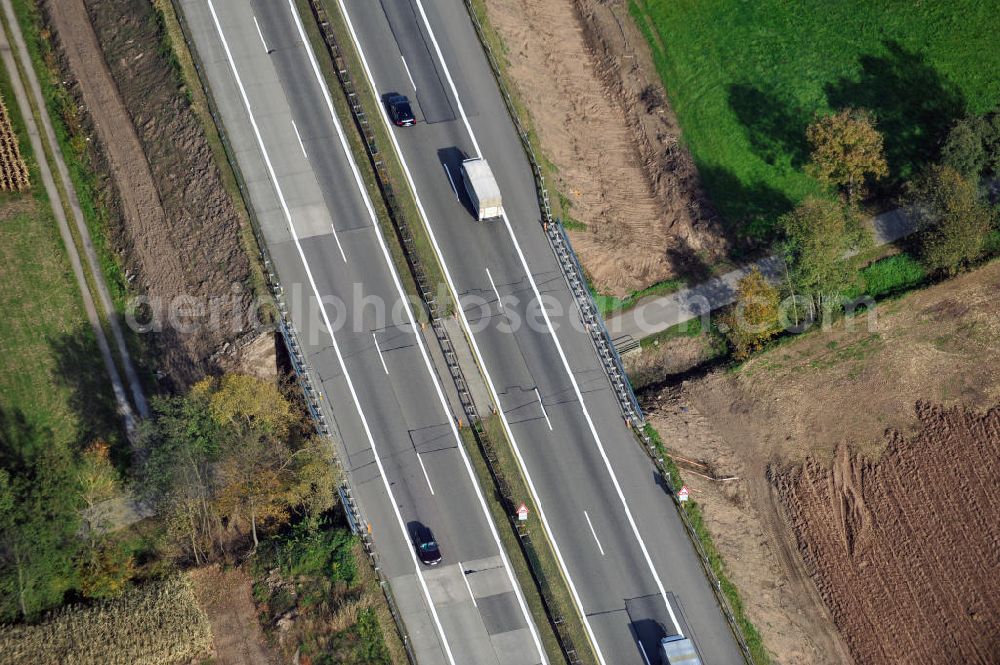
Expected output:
{"points": [[588, 81], [179, 230], [125, 409], [224, 595]]}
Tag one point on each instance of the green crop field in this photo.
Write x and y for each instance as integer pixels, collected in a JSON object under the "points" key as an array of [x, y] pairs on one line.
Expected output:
{"points": [[745, 78]]}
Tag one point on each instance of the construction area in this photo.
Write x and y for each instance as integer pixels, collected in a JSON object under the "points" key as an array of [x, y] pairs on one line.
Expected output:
{"points": [[847, 479]]}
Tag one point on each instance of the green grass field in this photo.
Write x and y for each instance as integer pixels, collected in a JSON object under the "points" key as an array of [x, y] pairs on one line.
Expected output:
{"points": [[745, 78], [44, 335]]}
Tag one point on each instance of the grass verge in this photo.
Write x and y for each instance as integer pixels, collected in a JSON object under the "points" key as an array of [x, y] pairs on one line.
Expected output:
{"points": [[509, 539], [405, 201], [41, 303], [74, 144], [693, 510]]}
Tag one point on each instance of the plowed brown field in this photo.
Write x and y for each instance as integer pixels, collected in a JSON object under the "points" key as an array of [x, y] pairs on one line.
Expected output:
{"points": [[906, 551]]}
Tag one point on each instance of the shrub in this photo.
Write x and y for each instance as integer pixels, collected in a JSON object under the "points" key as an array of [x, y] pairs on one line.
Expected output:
{"points": [[892, 274]]}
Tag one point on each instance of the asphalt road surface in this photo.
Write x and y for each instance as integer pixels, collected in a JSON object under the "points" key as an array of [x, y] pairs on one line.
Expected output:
{"points": [[630, 564], [399, 441]]}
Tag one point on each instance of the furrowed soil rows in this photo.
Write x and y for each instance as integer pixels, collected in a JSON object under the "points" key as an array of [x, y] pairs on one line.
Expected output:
{"points": [[795, 406], [906, 551], [13, 171], [180, 230]]}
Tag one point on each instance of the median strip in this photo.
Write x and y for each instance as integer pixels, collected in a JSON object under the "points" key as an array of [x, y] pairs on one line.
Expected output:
{"points": [[539, 576]]}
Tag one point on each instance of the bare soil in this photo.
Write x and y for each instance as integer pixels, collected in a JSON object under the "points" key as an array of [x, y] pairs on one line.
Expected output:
{"points": [[781, 422], [225, 596], [587, 78], [906, 551], [179, 230]]}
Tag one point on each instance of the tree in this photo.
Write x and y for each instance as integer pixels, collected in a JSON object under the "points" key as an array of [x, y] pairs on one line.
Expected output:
{"points": [[953, 220], [754, 318], [846, 148], [965, 149], [38, 530], [973, 145], [98, 483], [104, 569], [821, 235]]}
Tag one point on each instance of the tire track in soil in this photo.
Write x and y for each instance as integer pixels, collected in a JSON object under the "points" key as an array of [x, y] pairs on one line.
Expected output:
{"points": [[920, 583], [180, 232]]}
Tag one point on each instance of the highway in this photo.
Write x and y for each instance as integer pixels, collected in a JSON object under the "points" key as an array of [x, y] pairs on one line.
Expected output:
{"points": [[631, 568], [392, 419]]}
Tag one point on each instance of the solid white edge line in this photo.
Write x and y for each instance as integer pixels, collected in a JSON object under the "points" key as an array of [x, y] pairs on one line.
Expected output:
{"points": [[339, 246], [499, 301], [380, 356], [333, 339], [408, 74], [594, 533], [453, 188], [529, 620], [261, 34], [542, 407], [467, 585], [424, 469], [555, 339], [299, 137], [478, 354]]}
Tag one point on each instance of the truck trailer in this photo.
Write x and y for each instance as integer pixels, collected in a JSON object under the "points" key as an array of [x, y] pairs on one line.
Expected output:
{"points": [[482, 188], [678, 650]]}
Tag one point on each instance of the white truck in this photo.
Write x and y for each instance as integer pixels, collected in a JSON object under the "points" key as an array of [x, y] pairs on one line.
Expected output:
{"points": [[678, 650], [482, 188]]}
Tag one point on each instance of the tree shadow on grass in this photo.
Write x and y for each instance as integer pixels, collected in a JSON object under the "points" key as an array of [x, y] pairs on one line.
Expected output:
{"points": [[913, 103], [751, 210], [775, 126], [80, 368], [20, 440]]}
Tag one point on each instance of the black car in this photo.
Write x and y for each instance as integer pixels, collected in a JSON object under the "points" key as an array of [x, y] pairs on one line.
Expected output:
{"points": [[427, 547], [399, 110]]}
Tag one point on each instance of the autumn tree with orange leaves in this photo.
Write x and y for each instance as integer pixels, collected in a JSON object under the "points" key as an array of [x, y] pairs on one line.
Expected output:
{"points": [[846, 150]]}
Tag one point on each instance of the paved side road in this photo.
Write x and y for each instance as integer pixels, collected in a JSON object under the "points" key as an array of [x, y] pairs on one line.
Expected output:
{"points": [[656, 314]]}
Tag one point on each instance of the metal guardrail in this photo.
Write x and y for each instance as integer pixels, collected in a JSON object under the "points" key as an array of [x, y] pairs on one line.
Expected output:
{"points": [[314, 401], [706, 565], [563, 250], [436, 312], [599, 335]]}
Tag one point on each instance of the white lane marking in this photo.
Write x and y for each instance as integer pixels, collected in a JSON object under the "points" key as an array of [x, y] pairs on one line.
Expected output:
{"points": [[408, 73], [339, 246], [643, 650], [382, 358], [453, 188], [329, 327], [442, 400], [493, 284], [426, 477], [259, 32], [555, 339], [598, 540], [479, 361], [468, 586], [299, 137], [542, 407]]}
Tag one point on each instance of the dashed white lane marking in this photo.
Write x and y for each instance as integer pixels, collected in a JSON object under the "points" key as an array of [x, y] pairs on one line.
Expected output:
{"points": [[594, 533]]}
